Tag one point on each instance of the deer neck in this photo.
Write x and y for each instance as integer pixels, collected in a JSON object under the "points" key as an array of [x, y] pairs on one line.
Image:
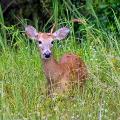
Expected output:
{"points": [[52, 68], [50, 63]]}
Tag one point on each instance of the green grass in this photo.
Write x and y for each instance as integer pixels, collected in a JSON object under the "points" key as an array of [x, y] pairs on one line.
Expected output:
{"points": [[22, 81]]}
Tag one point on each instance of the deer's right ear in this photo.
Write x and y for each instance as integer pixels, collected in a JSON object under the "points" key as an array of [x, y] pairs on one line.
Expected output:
{"points": [[31, 32], [61, 33]]}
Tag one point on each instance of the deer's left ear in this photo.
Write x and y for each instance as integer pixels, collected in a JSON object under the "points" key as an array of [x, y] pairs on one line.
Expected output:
{"points": [[61, 33]]}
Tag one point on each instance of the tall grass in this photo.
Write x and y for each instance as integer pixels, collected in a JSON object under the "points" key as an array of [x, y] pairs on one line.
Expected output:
{"points": [[23, 93], [2, 31]]}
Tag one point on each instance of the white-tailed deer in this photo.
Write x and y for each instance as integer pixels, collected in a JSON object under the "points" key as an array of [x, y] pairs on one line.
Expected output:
{"points": [[60, 74]]}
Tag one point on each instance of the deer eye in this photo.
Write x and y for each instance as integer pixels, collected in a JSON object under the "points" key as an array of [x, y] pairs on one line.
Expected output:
{"points": [[52, 42], [40, 42]]}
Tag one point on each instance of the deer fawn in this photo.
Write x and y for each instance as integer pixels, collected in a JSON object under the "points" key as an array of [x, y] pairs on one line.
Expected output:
{"points": [[61, 74]]}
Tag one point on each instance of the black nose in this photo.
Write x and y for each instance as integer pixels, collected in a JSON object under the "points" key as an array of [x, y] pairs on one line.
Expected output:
{"points": [[47, 54]]}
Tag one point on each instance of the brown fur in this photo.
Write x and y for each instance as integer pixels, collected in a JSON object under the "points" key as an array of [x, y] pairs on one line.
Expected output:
{"points": [[45, 36], [60, 75]]}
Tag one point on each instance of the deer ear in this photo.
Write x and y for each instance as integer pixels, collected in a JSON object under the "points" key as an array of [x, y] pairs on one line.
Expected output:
{"points": [[61, 33], [31, 32]]}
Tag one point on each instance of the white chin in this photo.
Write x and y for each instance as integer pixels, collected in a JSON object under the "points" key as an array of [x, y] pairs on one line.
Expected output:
{"points": [[46, 58]]}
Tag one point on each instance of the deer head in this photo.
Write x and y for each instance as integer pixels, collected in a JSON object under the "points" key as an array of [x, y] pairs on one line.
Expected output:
{"points": [[45, 40]]}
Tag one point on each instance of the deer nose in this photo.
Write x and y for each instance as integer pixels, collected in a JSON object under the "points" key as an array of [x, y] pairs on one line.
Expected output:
{"points": [[47, 54]]}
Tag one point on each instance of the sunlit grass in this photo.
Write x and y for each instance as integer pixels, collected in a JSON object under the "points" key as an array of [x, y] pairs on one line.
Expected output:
{"points": [[23, 91]]}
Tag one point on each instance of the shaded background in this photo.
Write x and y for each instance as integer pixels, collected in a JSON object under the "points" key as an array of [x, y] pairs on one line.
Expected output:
{"points": [[43, 10], [44, 13]]}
